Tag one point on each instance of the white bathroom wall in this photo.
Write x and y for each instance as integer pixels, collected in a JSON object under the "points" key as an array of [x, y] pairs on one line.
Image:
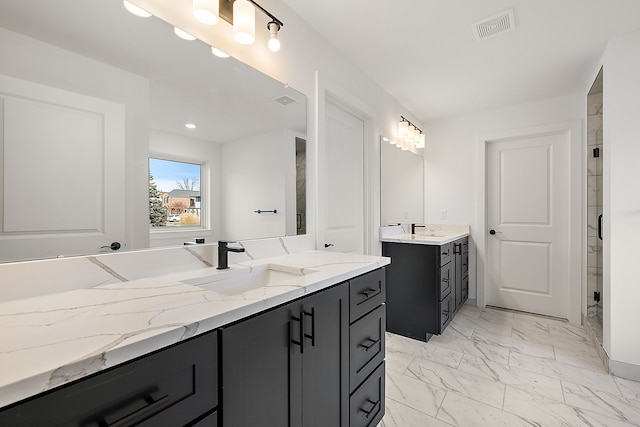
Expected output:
{"points": [[258, 173], [183, 148], [621, 202], [28, 59], [452, 158]]}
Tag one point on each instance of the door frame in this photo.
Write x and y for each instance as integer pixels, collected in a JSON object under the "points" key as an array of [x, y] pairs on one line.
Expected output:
{"points": [[576, 217], [329, 91]]}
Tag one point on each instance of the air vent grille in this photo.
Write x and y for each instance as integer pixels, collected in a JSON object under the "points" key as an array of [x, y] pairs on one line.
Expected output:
{"points": [[494, 25], [284, 100]]}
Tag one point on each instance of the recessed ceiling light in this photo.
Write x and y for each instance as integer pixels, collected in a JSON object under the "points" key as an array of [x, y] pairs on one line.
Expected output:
{"points": [[217, 52], [190, 126], [136, 10], [183, 34]]}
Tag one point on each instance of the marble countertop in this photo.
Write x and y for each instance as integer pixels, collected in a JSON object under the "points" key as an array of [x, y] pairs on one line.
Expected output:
{"points": [[428, 235], [49, 340]]}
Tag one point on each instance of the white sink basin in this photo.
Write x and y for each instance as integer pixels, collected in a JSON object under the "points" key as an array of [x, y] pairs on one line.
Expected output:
{"points": [[248, 279]]}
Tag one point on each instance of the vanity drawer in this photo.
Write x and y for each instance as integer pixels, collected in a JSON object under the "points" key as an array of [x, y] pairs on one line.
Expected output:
{"points": [[366, 292], [445, 253], [367, 343], [366, 406], [170, 387], [445, 280]]}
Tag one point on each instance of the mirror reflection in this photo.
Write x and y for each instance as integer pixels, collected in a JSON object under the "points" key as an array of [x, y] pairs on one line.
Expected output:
{"points": [[90, 92], [402, 185]]}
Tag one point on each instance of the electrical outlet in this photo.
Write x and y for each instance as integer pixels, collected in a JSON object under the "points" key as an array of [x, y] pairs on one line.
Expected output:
{"points": [[443, 214]]}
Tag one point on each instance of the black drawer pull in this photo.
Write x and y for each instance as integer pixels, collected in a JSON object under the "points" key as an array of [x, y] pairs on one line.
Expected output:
{"points": [[445, 279], [371, 343], [299, 341], [374, 406], [313, 326], [152, 404], [445, 253], [370, 292]]}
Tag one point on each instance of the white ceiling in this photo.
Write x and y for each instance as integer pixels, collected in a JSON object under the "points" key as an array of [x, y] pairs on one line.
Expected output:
{"points": [[424, 52]]}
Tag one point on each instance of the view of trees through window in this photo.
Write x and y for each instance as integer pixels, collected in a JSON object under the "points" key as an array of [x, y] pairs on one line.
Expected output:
{"points": [[174, 193]]}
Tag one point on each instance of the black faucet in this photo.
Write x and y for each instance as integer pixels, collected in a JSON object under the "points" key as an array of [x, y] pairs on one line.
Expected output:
{"points": [[413, 228], [223, 257]]}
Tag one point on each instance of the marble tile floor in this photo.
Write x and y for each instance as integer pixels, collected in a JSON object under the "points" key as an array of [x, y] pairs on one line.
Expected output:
{"points": [[500, 368]]}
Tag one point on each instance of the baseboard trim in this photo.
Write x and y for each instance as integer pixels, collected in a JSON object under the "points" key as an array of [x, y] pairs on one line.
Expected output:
{"points": [[624, 370]]}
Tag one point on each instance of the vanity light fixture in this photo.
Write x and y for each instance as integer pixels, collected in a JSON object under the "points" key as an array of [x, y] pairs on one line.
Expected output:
{"points": [[241, 14], [274, 43], [136, 10], [190, 126], [410, 134], [183, 34], [244, 22], [206, 11]]}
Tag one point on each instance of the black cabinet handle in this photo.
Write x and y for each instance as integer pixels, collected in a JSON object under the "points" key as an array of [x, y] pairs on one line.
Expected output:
{"points": [[300, 341], [313, 326], [374, 406], [152, 404], [369, 292], [445, 253], [600, 226], [371, 342], [457, 248]]}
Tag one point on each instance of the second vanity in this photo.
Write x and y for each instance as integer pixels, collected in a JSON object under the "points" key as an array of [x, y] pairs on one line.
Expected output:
{"points": [[428, 280], [295, 339]]}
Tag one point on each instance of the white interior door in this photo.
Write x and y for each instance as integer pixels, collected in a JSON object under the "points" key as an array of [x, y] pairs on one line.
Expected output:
{"points": [[528, 208], [61, 172], [343, 178]]}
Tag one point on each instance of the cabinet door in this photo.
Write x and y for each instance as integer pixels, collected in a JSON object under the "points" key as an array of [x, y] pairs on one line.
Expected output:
{"points": [[325, 361], [261, 371]]}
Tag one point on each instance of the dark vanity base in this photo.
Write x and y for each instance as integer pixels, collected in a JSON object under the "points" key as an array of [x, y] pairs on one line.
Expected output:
{"points": [[426, 285]]}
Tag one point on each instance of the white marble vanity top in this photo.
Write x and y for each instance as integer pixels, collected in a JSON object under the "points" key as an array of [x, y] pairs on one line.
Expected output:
{"points": [[50, 340], [429, 234]]}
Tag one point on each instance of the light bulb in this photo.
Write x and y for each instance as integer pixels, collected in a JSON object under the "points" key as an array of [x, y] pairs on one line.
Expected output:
{"points": [[136, 10], [183, 34], [274, 43], [206, 11], [403, 128], [410, 131], [244, 22], [217, 52]]}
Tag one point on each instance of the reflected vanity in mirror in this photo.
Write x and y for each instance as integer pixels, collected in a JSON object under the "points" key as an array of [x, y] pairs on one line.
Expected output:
{"points": [[89, 92], [401, 185]]}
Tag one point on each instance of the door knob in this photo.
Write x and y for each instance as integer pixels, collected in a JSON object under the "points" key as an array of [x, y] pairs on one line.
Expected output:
{"points": [[326, 245], [113, 246], [492, 232]]}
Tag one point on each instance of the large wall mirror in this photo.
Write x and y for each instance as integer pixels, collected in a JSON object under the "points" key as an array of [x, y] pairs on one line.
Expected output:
{"points": [[89, 92], [402, 185]]}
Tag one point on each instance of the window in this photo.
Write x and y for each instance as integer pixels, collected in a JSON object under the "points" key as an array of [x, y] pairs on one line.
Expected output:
{"points": [[174, 194]]}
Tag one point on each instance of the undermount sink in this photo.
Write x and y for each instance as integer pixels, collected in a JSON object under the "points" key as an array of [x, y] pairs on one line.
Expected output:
{"points": [[248, 279]]}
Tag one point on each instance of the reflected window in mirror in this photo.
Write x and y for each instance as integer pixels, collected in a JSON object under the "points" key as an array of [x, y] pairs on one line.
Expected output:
{"points": [[175, 200]]}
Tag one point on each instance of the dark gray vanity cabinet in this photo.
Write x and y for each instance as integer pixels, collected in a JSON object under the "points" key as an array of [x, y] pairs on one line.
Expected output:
{"points": [[423, 290], [314, 362], [175, 386], [289, 366]]}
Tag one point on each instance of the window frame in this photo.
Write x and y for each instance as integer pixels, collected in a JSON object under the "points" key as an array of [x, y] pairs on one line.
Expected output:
{"points": [[162, 233]]}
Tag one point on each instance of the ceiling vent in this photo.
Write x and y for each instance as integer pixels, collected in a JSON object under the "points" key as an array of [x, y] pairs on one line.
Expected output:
{"points": [[494, 25], [284, 100]]}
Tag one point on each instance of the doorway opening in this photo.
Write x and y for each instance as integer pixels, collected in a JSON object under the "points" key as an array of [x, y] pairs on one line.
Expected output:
{"points": [[594, 206]]}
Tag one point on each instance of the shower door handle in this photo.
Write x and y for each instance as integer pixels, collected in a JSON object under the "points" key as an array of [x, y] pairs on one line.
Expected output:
{"points": [[600, 226]]}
